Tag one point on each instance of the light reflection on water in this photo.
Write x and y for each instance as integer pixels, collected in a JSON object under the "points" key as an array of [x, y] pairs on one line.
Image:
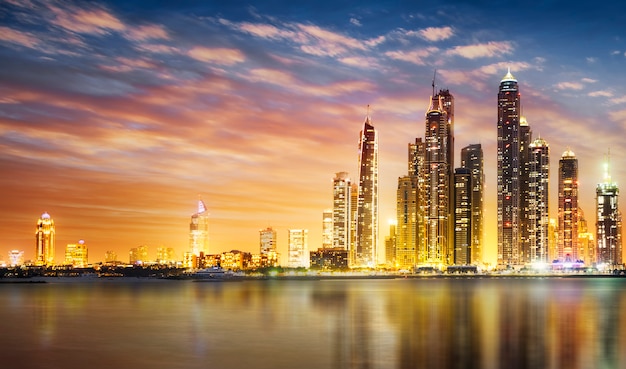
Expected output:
{"points": [[425, 323]]}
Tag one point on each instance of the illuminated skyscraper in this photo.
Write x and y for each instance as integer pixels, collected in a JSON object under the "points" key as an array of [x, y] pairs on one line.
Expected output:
{"points": [[525, 223], [538, 216], [390, 245], [508, 172], [45, 240], [327, 229], [138, 255], [76, 254], [568, 208], [298, 254], [608, 222], [367, 207], [417, 155], [462, 216], [267, 238], [406, 224], [166, 255], [438, 176], [199, 231], [586, 244], [472, 159], [341, 219]]}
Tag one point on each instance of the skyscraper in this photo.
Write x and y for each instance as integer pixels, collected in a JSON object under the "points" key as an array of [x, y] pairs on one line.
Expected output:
{"points": [[267, 240], [417, 156], [199, 231], [45, 240], [538, 210], [406, 223], [568, 208], [472, 159], [608, 222], [327, 228], [76, 254], [298, 256], [342, 220], [390, 244], [367, 207], [438, 176], [508, 171], [462, 216]]}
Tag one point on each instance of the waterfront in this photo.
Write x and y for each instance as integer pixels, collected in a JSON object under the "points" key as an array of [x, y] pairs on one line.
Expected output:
{"points": [[399, 323]]}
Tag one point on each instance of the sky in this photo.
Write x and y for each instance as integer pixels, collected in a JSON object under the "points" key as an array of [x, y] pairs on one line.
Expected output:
{"points": [[116, 117]]}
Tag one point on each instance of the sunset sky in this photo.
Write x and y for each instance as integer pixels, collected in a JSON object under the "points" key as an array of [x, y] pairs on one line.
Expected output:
{"points": [[116, 117]]}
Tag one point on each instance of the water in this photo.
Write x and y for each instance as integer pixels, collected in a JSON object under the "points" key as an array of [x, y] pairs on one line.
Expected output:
{"points": [[425, 323]]}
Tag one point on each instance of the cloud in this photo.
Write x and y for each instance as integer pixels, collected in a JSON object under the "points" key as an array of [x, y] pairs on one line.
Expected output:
{"points": [[591, 60], [148, 32], [600, 94], [90, 21], [219, 56], [618, 116], [489, 49], [17, 37], [589, 80], [569, 86], [436, 33], [616, 52], [355, 22], [415, 56], [361, 62], [619, 100]]}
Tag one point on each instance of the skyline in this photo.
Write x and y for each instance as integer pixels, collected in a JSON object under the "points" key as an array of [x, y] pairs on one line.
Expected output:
{"points": [[114, 117]]}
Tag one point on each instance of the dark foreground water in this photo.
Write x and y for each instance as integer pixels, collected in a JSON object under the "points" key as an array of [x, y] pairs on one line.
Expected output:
{"points": [[425, 323]]}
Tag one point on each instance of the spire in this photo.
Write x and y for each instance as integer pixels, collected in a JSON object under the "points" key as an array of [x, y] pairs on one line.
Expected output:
{"points": [[508, 76], [368, 117], [201, 207], [607, 173]]}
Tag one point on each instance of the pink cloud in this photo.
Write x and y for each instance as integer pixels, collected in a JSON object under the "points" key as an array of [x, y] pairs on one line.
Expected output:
{"points": [[148, 32], [600, 94], [220, 56], [16, 37], [94, 21], [489, 49], [415, 56], [436, 33], [569, 86]]}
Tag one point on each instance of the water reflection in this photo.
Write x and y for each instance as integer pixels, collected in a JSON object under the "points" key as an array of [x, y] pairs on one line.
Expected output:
{"points": [[425, 323]]}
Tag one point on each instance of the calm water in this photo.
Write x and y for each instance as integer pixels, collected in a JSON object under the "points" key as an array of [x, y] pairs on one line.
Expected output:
{"points": [[457, 323]]}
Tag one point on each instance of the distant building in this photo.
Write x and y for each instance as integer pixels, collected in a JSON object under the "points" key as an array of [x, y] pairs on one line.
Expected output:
{"points": [[16, 258], [45, 240], [235, 260], [199, 230], [342, 215], [608, 222], [586, 243], [166, 255], [329, 259], [267, 241], [110, 257], [390, 244], [406, 223], [138, 255], [327, 228], [76, 254], [463, 216], [298, 249], [472, 159], [568, 208]]}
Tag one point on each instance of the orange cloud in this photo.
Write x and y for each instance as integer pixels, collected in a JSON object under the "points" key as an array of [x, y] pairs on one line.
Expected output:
{"points": [[19, 38], [489, 49], [95, 21], [219, 56]]}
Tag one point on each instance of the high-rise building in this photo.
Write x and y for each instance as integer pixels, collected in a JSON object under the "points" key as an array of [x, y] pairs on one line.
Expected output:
{"points": [[462, 216], [608, 222], [586, 244], [110, 257], [354, 202], [438, 176], [199, 231], [472, 159], [327, 229], [267, 239], [390, 244], [341, 217], [166, 255], [298, 254], [553, 240], [524, 223], [16, 258], [367, 207], [406, 220], [417, 155], [76, 254], [138, 255], [45, 240], [568, 208], [538, 216], [508, 172]]}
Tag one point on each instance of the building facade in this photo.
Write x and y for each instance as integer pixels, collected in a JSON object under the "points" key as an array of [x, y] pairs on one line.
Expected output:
{"points": [[406, 223], [327, 228], [608, 222], [462, 216], [537, 214], [472, 159], [367, 207], [199, 231], [298, 250], [342, 219], [76, 254], [568, 250], [45, 238]]}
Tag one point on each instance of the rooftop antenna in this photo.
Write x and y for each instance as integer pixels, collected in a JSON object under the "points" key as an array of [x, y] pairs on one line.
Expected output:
{"points": [[434, 76]]}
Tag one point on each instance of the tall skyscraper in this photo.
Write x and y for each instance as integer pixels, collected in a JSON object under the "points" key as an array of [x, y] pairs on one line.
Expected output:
{"points": [[438, 176], [298, 256], [327, 228], [463, 216], [608, 222], [342, 220], [538, 216], [390, 245], [524, 223], [76, 254], [568, 250], [45, 240], [367, 207], [508, 172], [472, 159], [417, 156], [406, 223], [267, 240], [199, 231]]}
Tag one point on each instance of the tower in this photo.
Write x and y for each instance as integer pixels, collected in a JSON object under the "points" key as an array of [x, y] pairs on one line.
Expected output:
{"points": [[298, 248], [267, 239], [406, 223], [537, 216], [462, 216], [199, 231], [367, 207], [508, 171], [45, 240], [472, 159], [327, 228], [341, 219], [608, 222], [568, 250], [76, 254], [438, 179]]}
